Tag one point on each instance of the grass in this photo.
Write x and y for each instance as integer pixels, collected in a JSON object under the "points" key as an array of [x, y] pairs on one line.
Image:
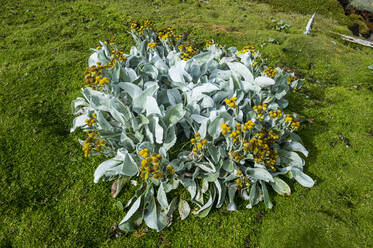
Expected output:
{"points": [[47, 196]]}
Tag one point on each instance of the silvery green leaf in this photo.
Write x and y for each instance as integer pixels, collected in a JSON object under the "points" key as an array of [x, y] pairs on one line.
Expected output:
{"points": [[128, 75], [124, 225], [244, 195], [296, 146], [302, 178], [295, 137], [264, 81], [174, 114], [77, 104], [205, 88], [214, 129], [177, 72], [116, 73], [170, 138], [184, 209], [212, 177], [173, 58], [162, 197], [153, 216], [150, 70], [280, 94], [205, 185], [203, 128], [291, 158], [96, 99], [259, 174], [222, 74], [132, 89], [140, 101], [79, 122], [254, 196], [267, 200], [174, 96], [161, 66], [129, 166], [220, 191], [151, 106], [231, 194], [198, 118], [109, 168], [205, 209], [242, 72], [208, 167], [207, 102], [280, 186], [191, 186], [156, 129], [104, 124], [97, 57], [283, 103], [214, 153], [203, 57], [171, 185], [228, 165], [230, 177], [196, 173]]}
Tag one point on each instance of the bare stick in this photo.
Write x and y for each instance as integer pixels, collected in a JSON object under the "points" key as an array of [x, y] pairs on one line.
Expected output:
{"points": [[309, 24]]}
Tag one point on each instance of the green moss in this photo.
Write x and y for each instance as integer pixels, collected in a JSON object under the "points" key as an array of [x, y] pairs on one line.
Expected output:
{"points": [[47, 194]]}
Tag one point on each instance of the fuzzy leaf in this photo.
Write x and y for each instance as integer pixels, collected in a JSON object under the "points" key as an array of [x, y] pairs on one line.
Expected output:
{"points": [[281, 187], [184, 209]]}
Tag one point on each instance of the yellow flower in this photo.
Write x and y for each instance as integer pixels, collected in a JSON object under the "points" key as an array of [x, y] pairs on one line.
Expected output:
{"points": [[152, 45], [199, 146]]}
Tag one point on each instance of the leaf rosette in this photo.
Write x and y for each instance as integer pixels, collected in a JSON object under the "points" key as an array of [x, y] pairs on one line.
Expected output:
{"points": [[210, 120]]}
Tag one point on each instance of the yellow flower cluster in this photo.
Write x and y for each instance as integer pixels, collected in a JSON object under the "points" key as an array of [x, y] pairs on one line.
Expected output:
{"points": [[151, 45], [261, 147], [110, 42], [93, 77], [245, 49], [135, 26], [248, 126], [295, 125], [171, 169], [254, 63], [90, 143], [197, 143], [236, 156], [225, 129], [291, 79], [167, 33], [294, 89], [150, 165], [235, 135], [91, 121], [209, 43], [117, 55], [242, 181], [187, 51], [275, 113], [270, 72], [231, 102], [288, 118], [259, 109]]}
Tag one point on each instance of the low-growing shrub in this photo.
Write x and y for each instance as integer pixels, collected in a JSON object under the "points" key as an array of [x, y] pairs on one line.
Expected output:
{"points": [[140, 108]]}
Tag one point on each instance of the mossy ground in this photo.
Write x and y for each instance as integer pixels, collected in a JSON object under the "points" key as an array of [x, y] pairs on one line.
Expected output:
{"points": [[47, 196]]}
